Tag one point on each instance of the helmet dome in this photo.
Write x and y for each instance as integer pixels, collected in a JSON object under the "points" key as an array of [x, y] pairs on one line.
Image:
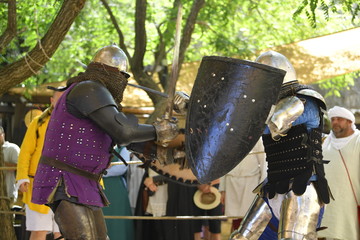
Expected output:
{"points": [[278, 60], [112, 56]]}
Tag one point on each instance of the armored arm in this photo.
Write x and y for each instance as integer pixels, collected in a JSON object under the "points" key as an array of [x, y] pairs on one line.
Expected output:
{"points": [[286, 112], [92, 100]]}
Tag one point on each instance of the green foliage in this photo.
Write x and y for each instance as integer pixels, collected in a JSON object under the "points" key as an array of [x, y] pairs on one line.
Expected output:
{"points": [[311, 7], [224, 27], [335, 85]]}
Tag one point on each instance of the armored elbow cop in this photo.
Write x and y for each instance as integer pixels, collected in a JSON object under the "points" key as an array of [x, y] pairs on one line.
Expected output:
{"points": [[286, 112]]}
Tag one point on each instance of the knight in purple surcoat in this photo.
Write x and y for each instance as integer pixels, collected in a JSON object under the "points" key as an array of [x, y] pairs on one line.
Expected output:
{"points": [[85, 124]]}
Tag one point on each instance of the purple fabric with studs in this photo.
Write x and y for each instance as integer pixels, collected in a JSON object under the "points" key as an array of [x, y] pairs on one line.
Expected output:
{"points": [[78, 142]]}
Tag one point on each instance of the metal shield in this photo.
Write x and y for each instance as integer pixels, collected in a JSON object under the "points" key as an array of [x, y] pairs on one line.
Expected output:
{"points": [[229, 105]]}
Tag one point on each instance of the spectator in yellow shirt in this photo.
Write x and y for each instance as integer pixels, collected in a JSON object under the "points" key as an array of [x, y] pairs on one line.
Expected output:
{"points": [[39, 218]]}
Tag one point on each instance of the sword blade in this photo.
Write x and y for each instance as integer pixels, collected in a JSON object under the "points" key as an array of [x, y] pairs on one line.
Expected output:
{"points": [[175, 65], [149, 90]]}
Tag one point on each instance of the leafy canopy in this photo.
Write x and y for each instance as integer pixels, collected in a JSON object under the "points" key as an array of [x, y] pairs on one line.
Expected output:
{"points": [[224, 27]]}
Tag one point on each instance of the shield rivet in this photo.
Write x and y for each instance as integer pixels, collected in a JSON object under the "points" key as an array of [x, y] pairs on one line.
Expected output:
{"points": [[213, 74], [245, 96], [222, 78], [253, 100], [198, 100], [227, 124], [204, 106], [231, 129]]}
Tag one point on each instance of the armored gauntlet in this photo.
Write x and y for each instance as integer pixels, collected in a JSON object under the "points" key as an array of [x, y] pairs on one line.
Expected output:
{"points": [[181, 100], [166, 131]]}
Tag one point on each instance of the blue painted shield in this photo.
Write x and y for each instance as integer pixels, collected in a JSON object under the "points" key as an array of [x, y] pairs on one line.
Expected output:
{"points": [[229, 105]]}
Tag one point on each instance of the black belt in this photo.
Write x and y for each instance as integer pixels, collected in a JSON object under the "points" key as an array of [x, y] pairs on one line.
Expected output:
{"points": [[69, 168]]}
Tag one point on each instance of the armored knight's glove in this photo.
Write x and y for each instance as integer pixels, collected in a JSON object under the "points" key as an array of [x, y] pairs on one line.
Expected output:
{"points": [[181, 100], [166, 131]]}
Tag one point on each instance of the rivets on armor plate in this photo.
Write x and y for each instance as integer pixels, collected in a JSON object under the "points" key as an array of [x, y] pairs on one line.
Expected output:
{"points": [[253, 100], [198, 100], [227, 124], [222, 78], [245, 96], [213, 74], [231, 129], [204, 106]]}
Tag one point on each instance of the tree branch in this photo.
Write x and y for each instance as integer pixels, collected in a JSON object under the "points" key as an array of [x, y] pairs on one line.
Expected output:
{"points": [[117, 28], [189, 29], [10, 31], [140, 36], [24, 68]]}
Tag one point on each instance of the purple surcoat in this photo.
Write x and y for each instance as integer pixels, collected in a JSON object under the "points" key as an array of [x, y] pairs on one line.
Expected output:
{"points": [[77, 142]]}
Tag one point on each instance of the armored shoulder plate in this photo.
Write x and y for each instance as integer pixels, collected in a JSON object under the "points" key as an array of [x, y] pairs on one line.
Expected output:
{"points": [[89, 96], [314, 94]]}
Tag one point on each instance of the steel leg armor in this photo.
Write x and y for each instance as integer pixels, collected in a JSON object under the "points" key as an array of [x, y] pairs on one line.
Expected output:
{"points": [[299, 215], [78, 222], [255, 221]]}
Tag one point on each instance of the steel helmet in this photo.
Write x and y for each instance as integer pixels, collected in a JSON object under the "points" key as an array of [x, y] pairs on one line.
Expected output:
{"points": [[113, 56], [278, 60]]}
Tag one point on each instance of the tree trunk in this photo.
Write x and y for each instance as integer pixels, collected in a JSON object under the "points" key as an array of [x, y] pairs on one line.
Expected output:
{"points": [[10, 31], [33, 61], [7, 231]]}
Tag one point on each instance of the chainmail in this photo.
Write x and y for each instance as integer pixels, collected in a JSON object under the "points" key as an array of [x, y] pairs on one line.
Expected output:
{"points": [[110, 77]]}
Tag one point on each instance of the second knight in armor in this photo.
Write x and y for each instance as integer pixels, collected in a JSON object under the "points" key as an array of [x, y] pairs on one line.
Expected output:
{"points": [[289, 203]]}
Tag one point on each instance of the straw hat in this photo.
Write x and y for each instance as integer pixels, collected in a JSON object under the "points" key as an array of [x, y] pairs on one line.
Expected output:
{"points": [[208, 200]]}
